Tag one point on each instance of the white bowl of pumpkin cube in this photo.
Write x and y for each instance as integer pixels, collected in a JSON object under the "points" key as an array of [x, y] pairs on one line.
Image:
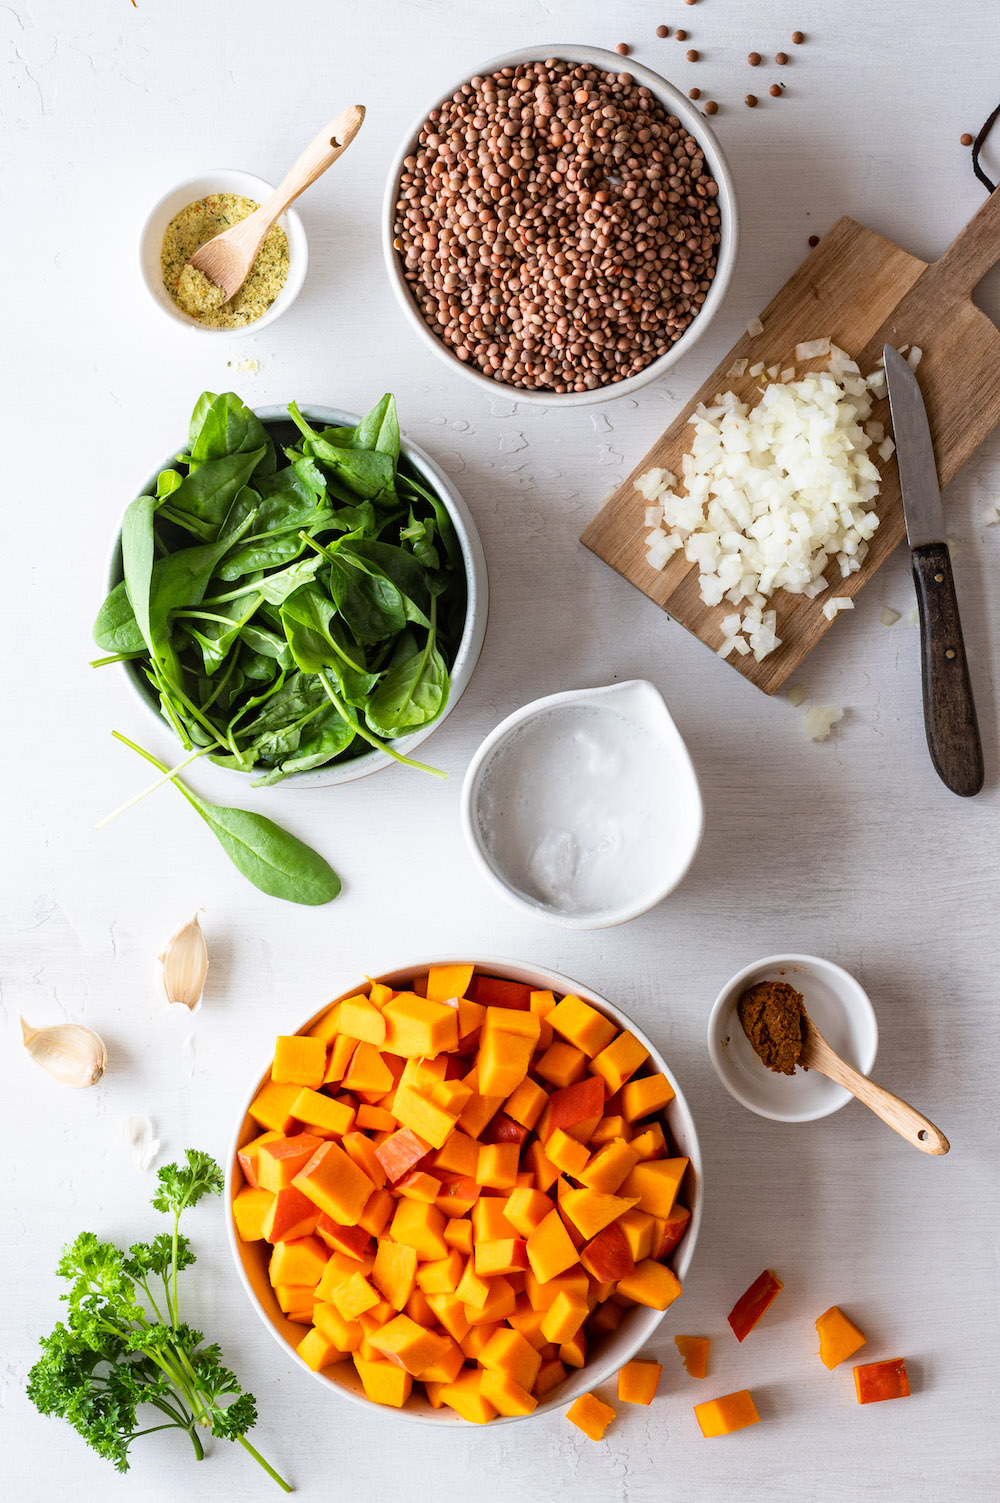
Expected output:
{"points": [[465, 1192]]}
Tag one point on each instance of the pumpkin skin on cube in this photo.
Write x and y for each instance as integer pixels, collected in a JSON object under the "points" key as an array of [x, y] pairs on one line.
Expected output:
{"points": [[875, 1382]]}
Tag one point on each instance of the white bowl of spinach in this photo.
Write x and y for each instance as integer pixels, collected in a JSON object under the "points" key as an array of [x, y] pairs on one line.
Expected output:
{"points": [[300, 595]]}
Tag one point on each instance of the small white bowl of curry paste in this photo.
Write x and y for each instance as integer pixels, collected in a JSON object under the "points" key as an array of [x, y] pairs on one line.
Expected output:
{"points": [[754, 1073], [194, 212]]}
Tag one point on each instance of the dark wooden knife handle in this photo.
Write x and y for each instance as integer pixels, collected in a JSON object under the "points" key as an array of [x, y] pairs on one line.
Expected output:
{"points": [[949, 709]]}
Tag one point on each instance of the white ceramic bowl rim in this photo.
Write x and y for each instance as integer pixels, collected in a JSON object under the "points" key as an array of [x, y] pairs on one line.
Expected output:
{"points": [[693, 121], [219, 180], [616, 1353], [860, 1007], [476, 608], [590, 919]]}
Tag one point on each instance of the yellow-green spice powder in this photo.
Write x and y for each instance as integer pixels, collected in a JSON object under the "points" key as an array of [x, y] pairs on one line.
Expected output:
{"points": [[193, 293]]}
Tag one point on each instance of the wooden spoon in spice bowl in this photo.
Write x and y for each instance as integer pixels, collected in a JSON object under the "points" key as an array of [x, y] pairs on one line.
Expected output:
{"points": [[226, 260], [816, 1054]]}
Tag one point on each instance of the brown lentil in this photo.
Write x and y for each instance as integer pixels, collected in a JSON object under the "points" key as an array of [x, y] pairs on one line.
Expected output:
{"points": [[622, 49], [694, 93], [753, 58], [663, 31], [781, 58], [776, 91], [560, 229], [814, 240], [966, 139], [798, 38], [680, 35], [711, 108], [691, 56], [751, 101]]}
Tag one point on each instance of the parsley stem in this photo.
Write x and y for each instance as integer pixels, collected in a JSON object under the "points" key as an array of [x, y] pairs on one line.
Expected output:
{"points": [[285, 1486]]}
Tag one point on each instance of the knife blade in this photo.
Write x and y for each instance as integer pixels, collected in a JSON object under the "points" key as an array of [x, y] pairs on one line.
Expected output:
{"points": [[949, 708]]}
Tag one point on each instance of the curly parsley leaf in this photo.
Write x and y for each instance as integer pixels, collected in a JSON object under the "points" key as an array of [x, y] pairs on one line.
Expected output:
{"points": [[181, 1187]]}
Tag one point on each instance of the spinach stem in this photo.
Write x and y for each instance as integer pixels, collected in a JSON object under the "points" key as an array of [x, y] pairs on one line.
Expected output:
{"points": [[366, 735], [137, 798]]}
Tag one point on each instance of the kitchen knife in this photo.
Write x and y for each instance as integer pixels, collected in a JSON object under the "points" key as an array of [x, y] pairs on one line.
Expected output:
{"points": [[949, 709]]}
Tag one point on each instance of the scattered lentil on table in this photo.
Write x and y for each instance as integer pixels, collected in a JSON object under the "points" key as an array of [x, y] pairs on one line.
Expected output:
{"points": [[814, 240], [781, 58], [680, 36], [966, 139], [798, 37], [754, 59], [751, 101], [711, 108], [663, 31], [622, 49], [193, 293], [692, 56], [776, 90], [558, 228], [694, 93]]}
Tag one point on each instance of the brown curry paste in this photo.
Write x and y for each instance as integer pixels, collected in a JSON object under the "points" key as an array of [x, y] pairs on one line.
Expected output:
{"points": [[771, 1014]]}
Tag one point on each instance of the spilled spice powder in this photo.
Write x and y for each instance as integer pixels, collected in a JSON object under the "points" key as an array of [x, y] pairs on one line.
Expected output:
{"points": [[771, 1014]]}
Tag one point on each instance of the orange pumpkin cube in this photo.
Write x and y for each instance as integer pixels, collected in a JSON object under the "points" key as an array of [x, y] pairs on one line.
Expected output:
{"points": [[402, 1340], [419, 1029], [734, 1411], [384, 1382], [506, 1396], [839, 1337], [345, 1335], [317, 1352], [507, 1351], [506, 1044], [550, 1374], [655, 1185], [280, 1160], [582, 1025], [272, 1106], [447, 981], [298, 1060], [361, 1019], [591, 1415], [250, 1209], [650, 1143], [652, 1284], [354, 1296], [562, 1064], [564, 1317], [289, 1216], [525, 1208], [458, 1233], [645, 1095], [526, 1104], [368, 1072], [506, 1255], [334, 1182], [590, 1212], [299, 1262], [320, 1111], [421, 1227], [249, 1155], [466, 1397], [550, 1250], [566, 1153], [638, 1381], [340, 1057], [608, 1168], [394, 1273], [608, 1129], [326, 1027], [694, 1354], [619, 1060], [441, 1275]]}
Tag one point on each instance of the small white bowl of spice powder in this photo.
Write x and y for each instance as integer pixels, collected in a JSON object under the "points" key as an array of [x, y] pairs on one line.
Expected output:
{"points": [[193, 213]]}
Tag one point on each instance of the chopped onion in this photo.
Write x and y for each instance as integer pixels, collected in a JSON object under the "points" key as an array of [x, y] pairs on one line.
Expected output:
{"points": [[788, 374], [755, 327], [886, 449], [835, 604], [913, 358], [797, 696], [912, 618], [738, 368], [820, 720], [654, 516], [773, 495], [758, 369], [991, 516], [772, 371], [888, 616], [812, 348]]}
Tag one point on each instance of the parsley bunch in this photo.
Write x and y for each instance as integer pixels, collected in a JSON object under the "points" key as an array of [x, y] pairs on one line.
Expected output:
{"points": [[123, 1345]]}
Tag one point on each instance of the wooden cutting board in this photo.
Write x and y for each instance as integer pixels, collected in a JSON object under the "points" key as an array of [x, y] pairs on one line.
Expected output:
{"points": [[863, 292]]}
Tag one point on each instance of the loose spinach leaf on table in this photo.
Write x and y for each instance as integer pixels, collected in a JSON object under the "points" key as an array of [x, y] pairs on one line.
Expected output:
{"points": [[290, 605]]}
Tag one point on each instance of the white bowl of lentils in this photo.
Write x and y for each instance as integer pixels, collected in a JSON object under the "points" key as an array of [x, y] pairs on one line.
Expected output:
{"points": [[560, 226]]}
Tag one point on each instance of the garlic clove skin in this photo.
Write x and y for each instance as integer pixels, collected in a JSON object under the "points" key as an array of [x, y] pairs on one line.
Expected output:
{"points": [[69, 1052], [185, 966]]}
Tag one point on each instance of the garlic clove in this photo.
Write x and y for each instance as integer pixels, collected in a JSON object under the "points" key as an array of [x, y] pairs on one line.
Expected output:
{"points": [[70, 1053], [136, 1133], [185, 965]]}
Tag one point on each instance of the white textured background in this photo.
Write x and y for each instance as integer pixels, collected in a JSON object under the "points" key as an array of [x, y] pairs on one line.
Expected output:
{"points": [[851, 849]]}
